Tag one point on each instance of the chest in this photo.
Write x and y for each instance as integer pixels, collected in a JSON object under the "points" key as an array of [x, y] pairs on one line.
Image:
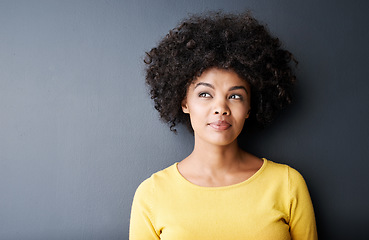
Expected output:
{"points": [[223, 215]]}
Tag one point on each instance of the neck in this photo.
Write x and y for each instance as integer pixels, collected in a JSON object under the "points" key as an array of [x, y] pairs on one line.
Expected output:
{"points": [[211, 157]]}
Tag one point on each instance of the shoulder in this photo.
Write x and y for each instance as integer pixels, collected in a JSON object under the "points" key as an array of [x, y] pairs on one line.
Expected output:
{"points": [[284, 171], [277, 169], [164, 174], [156, 180], [295, 182]]}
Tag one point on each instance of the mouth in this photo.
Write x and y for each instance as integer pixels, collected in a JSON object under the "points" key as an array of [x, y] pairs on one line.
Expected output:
{"points": [[220, 125]]}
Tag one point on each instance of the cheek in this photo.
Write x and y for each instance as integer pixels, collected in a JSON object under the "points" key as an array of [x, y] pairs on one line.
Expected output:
{"points": [[196, 113], [243, 112], [196, 106]]}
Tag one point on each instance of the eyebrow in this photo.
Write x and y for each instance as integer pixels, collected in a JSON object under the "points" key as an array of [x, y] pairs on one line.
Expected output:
{"points": [[211, 86], [238, 87]]}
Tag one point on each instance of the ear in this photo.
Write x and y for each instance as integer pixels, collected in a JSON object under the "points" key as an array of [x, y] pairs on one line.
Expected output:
{"points": [[248, 114], [184, 106]]}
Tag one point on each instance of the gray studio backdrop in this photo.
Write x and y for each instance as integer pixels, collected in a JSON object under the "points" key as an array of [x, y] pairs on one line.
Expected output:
{"points": [[78, 132]]}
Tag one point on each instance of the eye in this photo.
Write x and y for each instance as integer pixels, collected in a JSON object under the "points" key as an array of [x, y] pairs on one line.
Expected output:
{"points": [[205, 95], [236, 96]]}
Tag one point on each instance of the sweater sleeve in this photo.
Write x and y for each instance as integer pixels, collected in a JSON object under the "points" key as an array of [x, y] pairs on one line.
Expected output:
{"points": [[141, 222], [302, 218]]}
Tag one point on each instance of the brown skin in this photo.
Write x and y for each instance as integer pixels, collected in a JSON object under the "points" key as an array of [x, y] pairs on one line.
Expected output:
{"points": [[218, 103]]}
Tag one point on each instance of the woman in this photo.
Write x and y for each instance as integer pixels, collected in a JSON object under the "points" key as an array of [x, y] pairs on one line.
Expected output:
{"points": [[212, 73]]}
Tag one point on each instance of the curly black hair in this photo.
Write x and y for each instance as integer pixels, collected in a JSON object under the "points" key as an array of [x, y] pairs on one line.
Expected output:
{"points": [[236, 42]]}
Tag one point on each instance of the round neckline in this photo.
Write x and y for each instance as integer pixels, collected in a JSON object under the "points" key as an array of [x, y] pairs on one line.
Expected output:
{"points": [[247, 181]]}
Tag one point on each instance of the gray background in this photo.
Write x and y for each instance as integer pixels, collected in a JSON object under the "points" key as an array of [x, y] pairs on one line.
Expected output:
{"points": [[78, 132]]}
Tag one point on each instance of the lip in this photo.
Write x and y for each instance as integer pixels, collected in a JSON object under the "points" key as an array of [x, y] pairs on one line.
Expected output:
{"points": [[220, 125]]}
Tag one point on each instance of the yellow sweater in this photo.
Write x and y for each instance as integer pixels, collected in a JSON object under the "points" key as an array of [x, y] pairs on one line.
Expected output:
{"points": [[274, 204]]}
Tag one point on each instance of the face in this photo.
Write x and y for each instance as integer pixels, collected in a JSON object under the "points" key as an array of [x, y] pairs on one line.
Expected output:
{"points": [[218, 103]]}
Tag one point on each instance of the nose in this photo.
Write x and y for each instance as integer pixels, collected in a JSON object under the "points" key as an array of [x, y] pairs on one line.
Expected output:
{"points": [[221, 108]]}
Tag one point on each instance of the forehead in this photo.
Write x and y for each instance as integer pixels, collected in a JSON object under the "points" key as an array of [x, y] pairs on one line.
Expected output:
{"points": [[220, 77]]}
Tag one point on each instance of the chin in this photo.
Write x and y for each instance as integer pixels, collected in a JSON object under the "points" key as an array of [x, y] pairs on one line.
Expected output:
{"points": [[222, 141]]}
